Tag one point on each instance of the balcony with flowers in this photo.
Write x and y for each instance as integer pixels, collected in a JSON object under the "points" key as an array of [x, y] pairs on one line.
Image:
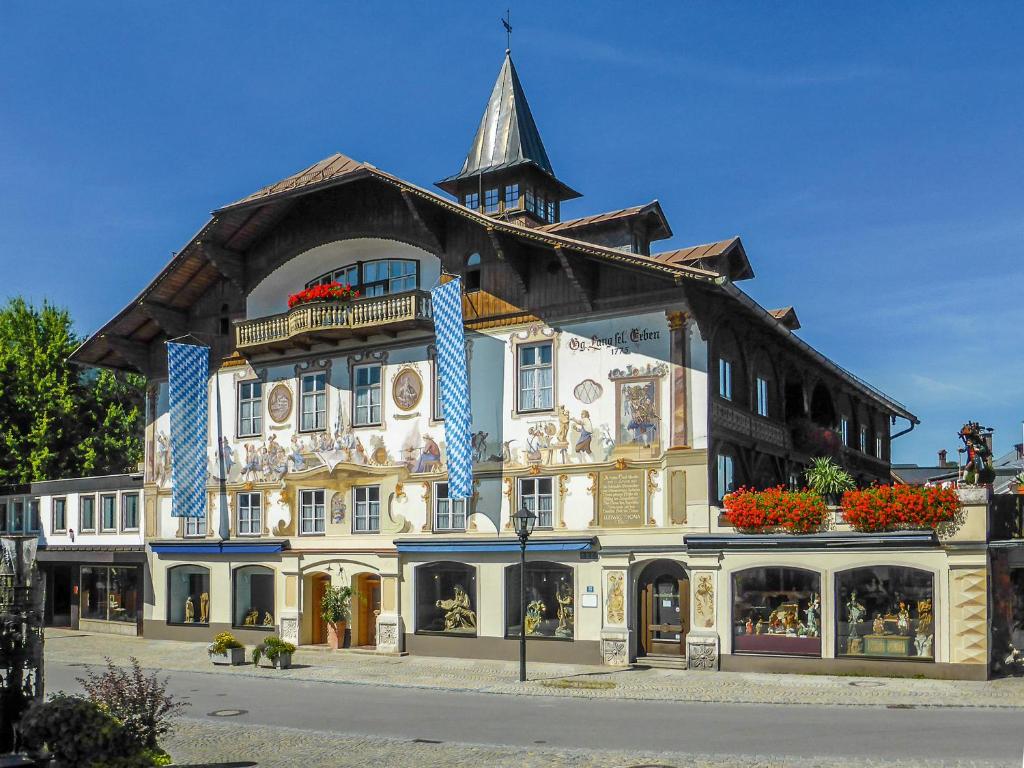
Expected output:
{"points": [[334, 313]]}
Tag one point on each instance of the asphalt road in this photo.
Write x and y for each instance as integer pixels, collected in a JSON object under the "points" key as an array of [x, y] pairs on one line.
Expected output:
{"points": [[800, 731]]}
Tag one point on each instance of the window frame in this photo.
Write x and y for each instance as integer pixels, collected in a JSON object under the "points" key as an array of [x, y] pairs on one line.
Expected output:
{"points": [[471, 583], [863, 439], [725, 468], [234, 597], [436, 399], [102, 522], [544, 567], [34, 520], [762, 400], [313, 394], [520, 369], [368, 502], [81, 513], [878, 447], [123, 511], [492, 199], [511, 196], [3, 515], [725, 390], [194, 522], [472, 201], [536, 496], [54, 528], [451, 514], [356, 388], [209, 592], [815, 573], [249, 495], [314, 517], [844, 431], [256, 416]]}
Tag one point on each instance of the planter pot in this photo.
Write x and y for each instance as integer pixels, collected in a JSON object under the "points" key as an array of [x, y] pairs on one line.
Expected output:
{"points": [[283, 661], [336, 635], [232, 657]]}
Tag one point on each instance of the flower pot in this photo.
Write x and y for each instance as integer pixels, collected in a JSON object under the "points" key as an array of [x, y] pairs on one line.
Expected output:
{"points": [[231, 657], [336, 634], [283, 660]]}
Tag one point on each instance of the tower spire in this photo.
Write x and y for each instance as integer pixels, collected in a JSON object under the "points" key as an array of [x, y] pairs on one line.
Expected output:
{"points": [[507, 24]]}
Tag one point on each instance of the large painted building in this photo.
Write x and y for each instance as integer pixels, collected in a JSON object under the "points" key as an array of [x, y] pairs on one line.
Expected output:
{"points": [[617, 390]]}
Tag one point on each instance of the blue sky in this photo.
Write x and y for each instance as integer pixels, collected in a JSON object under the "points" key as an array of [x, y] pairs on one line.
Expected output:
{"points": [[871, 162]]}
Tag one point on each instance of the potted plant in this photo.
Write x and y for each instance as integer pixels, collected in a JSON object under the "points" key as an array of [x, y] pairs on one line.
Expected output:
{"points": [[329, 292], [225, 649], [335, 609], [274, 650], [829, 479], [1019, 480]]}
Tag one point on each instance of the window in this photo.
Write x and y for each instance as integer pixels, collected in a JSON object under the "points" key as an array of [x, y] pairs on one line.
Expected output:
{"points": [[389, 276], [195, 526], [473, 272], [108, 513], [885, 612], [724, 379], [188, 595], [110, 594], [3, 517], [87, 514], [34, 520], [366, 518], [762, 396], [249, 509], [550, 601], [367, 394], [253, 597], [551, 210], [449, 514], [863, 439], [511, 196], [726, 476], [535, 495], [491, 198], [776, 611], [59, 515], [535, 377], [844, 431], [311, 512], [16, 517], [878, 448], [438, 404], [314, 402], [130, 512], [472, 201], [250, 408], [345, 275], [446, 599]]}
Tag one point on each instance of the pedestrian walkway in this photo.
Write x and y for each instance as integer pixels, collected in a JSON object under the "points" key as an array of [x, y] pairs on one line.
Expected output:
{"points": [[500, 677]]}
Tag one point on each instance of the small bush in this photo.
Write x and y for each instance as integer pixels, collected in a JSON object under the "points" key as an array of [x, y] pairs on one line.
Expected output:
{"points": [[272, 647], [140, 702], [78, 732], [223, 642]]}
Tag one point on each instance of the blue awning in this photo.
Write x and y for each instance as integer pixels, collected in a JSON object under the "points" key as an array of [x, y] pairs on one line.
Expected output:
{"points": [[495, 545], [217, 548]]}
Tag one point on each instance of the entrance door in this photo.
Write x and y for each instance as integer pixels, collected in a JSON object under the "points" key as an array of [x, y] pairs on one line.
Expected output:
{"points": [[664, 610], [368, 597], [60, 596], [319, 629]]}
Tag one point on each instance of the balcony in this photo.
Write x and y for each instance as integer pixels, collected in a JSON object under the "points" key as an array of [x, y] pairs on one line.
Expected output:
{"points": [[335, 322]]}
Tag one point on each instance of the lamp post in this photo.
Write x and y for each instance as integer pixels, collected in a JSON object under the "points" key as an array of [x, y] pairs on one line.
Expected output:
{"points": [[523, 522]]}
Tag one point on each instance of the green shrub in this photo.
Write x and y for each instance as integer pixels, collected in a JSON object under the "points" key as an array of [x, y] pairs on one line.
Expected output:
{"points": [[828, 478], [335, 605], [272, 647]]}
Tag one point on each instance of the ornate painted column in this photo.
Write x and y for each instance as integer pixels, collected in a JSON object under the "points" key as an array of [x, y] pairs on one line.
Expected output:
{"points": [[679, 341], [614, 629]]}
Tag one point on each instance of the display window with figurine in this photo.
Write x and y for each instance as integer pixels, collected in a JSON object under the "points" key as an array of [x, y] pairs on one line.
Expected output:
{"points": [[777, 611], [885, 612]]}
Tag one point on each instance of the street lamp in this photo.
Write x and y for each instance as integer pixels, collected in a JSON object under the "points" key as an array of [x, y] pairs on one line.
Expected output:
{"points": [[523, 522]]}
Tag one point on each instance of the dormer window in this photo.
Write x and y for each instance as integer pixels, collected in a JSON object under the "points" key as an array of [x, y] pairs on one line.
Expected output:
{"points": [[472, 201], [491, 198], [375, 278], [511, 196]]}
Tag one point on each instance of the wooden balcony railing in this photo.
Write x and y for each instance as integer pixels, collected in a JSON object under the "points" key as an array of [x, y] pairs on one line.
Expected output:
{"points": [[334, 321]]}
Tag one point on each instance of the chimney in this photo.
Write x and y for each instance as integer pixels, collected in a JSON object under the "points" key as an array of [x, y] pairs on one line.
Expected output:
{"points": [[942, 457], [1020, 451]]}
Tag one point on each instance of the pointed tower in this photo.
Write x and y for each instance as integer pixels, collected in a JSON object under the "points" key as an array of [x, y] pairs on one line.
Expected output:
{"points": [[507, 172]]}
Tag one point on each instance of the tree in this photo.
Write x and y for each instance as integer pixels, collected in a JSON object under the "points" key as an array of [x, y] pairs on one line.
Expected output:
{"points": [[57, 420]]}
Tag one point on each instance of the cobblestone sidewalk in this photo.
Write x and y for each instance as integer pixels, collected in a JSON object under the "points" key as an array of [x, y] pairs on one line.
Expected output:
{"points": [[314, 664], [198, 743]]}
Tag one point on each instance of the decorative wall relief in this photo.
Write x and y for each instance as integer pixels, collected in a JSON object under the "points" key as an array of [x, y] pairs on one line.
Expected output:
{"points": [[615, 598], [702, 652], [162, 461], [652, 488], [290, 629], [407, 388], [704, 601], [614, 653], [587, 391], [279, 404]]}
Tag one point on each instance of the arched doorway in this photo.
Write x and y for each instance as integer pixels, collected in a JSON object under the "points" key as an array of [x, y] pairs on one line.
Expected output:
{"points": [[663, 602], [365, 609], [318, 629]]}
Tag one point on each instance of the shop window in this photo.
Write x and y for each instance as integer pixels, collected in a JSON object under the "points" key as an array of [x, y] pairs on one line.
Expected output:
{"points": [[536, 377], [550, 601], [449, 514], [87, 514], [109, 593], [130, 512], [253, 597], [776, 611], [188, 595], [314, 402], [885, 612], [446, 599], [250, 408], [59, 519], [367, 395], [535, 494], [249, 509], [108, 513]]}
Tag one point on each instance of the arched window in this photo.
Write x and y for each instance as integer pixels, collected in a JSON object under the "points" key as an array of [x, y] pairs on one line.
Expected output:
{"points": [[446, 599], [375, 278], [188, 595], [473, 272], [550, 601], [776, 611], [885, 611], [225, 319], [252, 589]]}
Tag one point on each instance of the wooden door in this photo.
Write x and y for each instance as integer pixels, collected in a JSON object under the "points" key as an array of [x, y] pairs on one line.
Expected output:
{"points": [[369, 609], [319, 633], [665, 614]]}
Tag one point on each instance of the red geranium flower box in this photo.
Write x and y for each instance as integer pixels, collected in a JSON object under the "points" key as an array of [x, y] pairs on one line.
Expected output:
{"points": [[775, 509], [899, 507], [328, 292]]}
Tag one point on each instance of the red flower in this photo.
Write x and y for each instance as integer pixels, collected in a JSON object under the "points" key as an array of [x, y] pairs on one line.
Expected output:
{"points": [[328, 292], [899, 507], [775, 509]]}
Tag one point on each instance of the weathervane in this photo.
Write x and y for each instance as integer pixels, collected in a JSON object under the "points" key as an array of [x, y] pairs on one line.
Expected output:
{"points": [[507, 24]]}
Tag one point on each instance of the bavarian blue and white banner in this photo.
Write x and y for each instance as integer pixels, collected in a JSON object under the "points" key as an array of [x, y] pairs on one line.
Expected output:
{"points": [[187, 372], [451, 369]]}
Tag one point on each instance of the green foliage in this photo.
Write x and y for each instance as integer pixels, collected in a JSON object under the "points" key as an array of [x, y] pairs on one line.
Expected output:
{"points": [[79, 732], [828, 478], [222, 643], [272, 647], [335, 605], [57, 420], [140, 702]]}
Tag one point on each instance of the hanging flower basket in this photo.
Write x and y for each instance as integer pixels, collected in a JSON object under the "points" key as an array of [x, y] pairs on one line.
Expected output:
{"points": [[329, 292], [900, 507], [775, 509]]}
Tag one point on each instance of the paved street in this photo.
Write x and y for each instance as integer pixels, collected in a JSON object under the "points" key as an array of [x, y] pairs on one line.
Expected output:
{"points": [[312, 716]]}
